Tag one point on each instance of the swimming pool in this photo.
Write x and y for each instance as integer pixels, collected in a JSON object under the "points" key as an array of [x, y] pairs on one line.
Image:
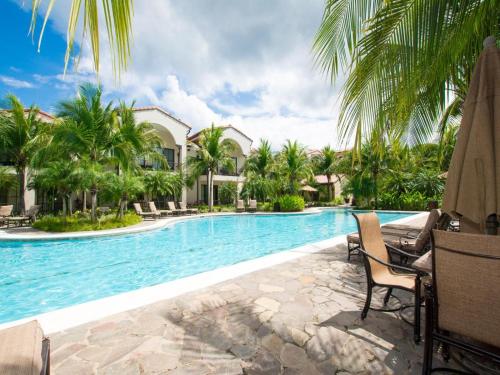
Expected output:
{"points": [[41, 276]]}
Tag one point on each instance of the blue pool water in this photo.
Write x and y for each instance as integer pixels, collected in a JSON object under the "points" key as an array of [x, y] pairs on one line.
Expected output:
{"points": [[40, 276]]}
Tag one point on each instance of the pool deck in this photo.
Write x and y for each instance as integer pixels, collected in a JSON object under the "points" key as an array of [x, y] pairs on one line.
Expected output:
{"points": [[301, 316]]}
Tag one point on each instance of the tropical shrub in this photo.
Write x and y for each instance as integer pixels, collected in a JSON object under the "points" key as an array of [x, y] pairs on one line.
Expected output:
{"points": [[228, 192], [78, 223], [291, 203]]}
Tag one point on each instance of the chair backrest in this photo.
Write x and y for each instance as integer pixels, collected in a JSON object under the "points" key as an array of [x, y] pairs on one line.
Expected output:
{"points": [[182, 205], [33, 210], [171, 206], [152, 206], [138, 208], [6, 210], [240, 203], [372, 242], [252, 203], [424, 237], [466, 276]]}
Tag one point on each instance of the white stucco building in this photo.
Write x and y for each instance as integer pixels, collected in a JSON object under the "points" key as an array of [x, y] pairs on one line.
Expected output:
{"points": [[177, 143]]}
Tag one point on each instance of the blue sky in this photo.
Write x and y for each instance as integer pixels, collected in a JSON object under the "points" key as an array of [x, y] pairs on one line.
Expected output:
{"points": [[244, 63]]}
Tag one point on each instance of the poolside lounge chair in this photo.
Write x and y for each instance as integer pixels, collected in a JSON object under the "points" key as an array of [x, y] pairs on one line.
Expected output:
{"points": [[138, 211], [152, 208], [183, 207], [6, 210], [462, 304], [407, 239], [175, 210], [24, 350], [381, 272], [252, 205], [240, 205]]}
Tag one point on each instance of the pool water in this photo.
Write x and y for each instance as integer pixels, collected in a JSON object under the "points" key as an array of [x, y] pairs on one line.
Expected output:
{"points": [[41, 276]]}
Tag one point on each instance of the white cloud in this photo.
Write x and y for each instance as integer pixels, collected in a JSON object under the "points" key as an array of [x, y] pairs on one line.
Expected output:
{"points": [[17, 83], [199, 59]]}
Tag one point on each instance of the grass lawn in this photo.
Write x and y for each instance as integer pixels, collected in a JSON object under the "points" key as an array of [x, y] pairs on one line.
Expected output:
{"points": [[78, 224]]}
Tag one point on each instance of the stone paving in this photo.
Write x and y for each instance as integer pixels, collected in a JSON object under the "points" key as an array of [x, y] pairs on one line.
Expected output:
{"points": [[300, 317]]}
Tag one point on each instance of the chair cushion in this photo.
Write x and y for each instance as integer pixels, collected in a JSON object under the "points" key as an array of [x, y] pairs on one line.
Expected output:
{"points": [[21, 349]]}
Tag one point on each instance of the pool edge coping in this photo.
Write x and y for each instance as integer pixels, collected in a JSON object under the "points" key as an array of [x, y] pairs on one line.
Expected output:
{"points": [[75, 315], [161, 224]]}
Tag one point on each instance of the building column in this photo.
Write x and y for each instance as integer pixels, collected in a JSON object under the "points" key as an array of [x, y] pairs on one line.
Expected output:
{"points": [[182, 164]]}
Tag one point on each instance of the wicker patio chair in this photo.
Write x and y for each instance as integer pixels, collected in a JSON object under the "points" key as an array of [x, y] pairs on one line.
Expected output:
{"points": [[24, 350], [462, 305], [381, 271]]}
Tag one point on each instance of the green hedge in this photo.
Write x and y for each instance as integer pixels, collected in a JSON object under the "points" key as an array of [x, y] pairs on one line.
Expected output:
{"points": [[77, 224], [290, 203]]}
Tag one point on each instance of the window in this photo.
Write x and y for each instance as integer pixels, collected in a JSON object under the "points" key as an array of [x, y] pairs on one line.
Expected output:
{"points": [[169, 155]]}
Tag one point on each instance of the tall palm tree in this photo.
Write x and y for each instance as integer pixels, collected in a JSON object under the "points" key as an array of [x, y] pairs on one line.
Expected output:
{"points": [[21, 136], [294, 165], [260, 161], [118, 21], [213, 153], [326, 163], [102, 135], [406, 60]]}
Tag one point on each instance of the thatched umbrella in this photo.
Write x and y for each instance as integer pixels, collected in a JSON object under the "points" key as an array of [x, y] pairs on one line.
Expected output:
{"points": [[473, 182]]}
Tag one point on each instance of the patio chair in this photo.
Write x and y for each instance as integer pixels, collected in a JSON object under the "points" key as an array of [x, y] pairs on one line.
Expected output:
{"points": [[240, 205], [404, 238], [462, 304], [138, 211], [24, 350], [175, 210], [152, 208], [182, 206], [252, 205], [381, 272]]}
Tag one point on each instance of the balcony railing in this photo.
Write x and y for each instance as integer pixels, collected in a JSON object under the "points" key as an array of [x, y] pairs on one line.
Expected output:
{"points": [[149, 164]]}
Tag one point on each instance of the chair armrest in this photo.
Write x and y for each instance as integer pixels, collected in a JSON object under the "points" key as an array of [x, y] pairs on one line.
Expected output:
{"points": [[392, 248], [390, 265]]}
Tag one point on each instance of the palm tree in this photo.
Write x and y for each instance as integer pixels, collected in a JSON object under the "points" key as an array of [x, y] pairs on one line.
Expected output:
{"points": [[21, 136], [7, 179], [260, 161], [103, 135], [61, 175], [121, 188], [326, 164], [161, 183], [213, 153], [406, 61], [118, 21], [294, 165]]}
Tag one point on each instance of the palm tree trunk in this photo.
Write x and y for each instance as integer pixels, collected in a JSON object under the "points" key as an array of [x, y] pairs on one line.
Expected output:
{"points": [[84, 203], [93, 200], [22, 187], [210, 191], [70, 205], [328, 179], [64, 206]]}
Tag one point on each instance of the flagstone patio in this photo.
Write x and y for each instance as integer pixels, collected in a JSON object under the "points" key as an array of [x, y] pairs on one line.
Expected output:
{"points": [[300, 317]]}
